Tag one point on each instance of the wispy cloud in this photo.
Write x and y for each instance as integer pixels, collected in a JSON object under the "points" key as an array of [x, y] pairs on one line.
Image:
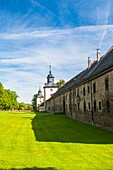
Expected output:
{"points": [[103, 17], [54, 33], [37, 4], [65, 34], [25, 65]]}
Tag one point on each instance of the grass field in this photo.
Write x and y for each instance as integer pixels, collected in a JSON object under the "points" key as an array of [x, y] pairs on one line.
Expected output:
{"points": [[52, 142]]}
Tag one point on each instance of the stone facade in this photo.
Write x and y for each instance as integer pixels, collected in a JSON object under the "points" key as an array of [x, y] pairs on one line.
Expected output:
{"points": [[90, 98]]}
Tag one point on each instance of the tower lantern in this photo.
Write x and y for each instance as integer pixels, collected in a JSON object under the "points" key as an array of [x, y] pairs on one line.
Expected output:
{"points": [[50, 77]]}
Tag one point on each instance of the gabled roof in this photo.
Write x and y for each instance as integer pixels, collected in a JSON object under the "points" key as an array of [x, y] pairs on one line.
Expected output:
{"points": [[97, 68]]}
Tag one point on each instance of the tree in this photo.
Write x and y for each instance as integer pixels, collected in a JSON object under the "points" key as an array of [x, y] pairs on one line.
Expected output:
{"points": [[1, 95], [29, 107], [60, 83], [8, 99], [22, 106], [34, 102], [14, 97]]}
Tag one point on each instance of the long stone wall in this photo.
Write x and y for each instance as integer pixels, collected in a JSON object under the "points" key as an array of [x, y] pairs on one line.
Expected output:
{"points": [[91, 102]]}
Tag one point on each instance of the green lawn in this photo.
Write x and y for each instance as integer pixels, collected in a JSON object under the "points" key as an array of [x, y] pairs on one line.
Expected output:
{"points": [[52, 142]]}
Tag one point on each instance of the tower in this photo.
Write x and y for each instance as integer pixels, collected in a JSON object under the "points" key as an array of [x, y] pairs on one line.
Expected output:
{"points": [[50, 87], [40, 98]]}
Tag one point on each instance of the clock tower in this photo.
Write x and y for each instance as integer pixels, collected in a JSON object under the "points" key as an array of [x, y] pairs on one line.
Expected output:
{"points": [[50, 87]]}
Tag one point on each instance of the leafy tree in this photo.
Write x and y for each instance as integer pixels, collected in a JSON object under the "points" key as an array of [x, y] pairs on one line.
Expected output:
{"points": [[34, 102], [1, 95], [22, 106], [14, 97], [29, 107], [8, 99], [60, 83]]}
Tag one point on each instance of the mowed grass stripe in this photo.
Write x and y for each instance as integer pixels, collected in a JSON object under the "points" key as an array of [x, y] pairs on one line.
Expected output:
{"points": [[50, 142]]}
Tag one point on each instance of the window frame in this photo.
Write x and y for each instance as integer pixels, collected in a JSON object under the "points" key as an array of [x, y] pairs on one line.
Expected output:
{"points": [[106, 83], [94, 87]]}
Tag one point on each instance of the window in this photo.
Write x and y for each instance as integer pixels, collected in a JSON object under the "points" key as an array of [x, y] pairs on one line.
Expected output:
{"points": [[84, 106], [88, 89], [78, 106], [84, 91], [94, 87], [106, 84], [100, 106], [66, 96], [108, 106], [51, 89], [75, 92], [89, 106], [94, 105], [50, 80], [78, 93]]}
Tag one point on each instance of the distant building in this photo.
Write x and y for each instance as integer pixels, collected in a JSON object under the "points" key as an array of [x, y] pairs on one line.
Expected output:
{"points": [[50, 87], [40, 99], [88, 96]]}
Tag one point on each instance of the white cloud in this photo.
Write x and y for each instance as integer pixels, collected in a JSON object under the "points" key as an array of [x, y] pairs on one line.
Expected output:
{"points": [[54, 33], [25, 66], [103, 17]]}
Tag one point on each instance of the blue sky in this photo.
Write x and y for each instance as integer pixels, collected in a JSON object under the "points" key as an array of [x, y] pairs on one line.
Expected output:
{"points": [[63, 32]]}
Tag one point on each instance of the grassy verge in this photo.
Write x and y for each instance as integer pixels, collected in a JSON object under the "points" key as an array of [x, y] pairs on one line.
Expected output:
{"points": [[52, 142]]}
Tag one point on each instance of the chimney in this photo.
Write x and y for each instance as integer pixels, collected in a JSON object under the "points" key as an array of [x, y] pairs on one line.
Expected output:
{"points": [[89, 62], [98, 55]]}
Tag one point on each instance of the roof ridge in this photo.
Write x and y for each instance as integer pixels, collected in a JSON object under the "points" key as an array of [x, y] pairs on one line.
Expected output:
{"points": [[88, 73], [102, 59], [108, 52]]}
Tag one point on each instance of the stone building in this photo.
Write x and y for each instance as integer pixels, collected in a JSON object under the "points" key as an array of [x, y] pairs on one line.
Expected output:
{"points": [[88, 97]]}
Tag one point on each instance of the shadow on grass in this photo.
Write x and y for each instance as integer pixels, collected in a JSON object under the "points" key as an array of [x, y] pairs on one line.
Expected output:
{"points": [[60, 128], [35, 168]]}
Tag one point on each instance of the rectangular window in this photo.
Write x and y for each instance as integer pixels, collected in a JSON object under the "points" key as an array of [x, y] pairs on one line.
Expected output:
{"points": [[89, 106], [84, 106], [100, 106], [88, 89], [108, 106], [78, 93], [84, 91], [78, 106], [95, 105], [106, 84], [94, 87], [75, 93]]}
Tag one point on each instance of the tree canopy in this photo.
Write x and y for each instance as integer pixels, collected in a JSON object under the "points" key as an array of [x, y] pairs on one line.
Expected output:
{"points": [[34, 102], [8, 100], [60, 83]]}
